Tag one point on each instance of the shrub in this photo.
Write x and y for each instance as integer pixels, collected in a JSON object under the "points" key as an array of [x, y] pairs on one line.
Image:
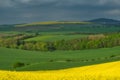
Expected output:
{"points": [[92, 59], [18, 64], [68, 60], [113, 56], [51, 60]]}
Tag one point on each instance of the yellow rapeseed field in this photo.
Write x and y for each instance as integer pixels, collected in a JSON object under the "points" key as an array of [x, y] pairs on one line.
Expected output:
{"points": [[106, 71]]}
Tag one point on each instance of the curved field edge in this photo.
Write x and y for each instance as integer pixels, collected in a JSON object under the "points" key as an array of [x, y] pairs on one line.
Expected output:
{"points": [[50, 23], [55, 37], [56, 60], [106, 71]]}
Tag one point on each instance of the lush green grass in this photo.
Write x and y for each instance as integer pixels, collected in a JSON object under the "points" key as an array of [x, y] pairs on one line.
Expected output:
{"points": [[55, 37], [57, 59]]}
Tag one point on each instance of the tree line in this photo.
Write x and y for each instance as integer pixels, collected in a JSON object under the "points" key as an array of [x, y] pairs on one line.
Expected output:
{"points": [[90, 42]]}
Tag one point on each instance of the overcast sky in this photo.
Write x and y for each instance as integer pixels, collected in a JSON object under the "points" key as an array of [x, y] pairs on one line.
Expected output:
{"points": [[25, 11]]}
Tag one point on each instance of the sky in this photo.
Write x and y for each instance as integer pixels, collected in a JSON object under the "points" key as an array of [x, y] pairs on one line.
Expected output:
{"points": [[26, 11]]}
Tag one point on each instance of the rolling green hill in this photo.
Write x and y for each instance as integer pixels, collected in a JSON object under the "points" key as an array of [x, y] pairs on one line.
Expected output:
{"points": [[63, 26], [56, 60], [50, 23]]}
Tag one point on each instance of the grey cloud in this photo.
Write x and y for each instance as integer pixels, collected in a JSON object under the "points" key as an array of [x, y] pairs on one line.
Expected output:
{"points": [[59, 2], [22, 11]]}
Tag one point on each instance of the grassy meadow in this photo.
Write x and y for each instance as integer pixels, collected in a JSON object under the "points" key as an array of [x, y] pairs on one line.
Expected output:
{"points": [[36, 60], [55, 37]]}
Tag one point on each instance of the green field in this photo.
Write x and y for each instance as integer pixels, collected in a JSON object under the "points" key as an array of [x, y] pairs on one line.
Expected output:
{"points": [[55, 37], [35, 36], [81, 27], [57, 59]]}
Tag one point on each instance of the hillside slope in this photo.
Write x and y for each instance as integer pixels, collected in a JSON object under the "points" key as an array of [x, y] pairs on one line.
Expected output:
{"points": [[60, 59], [50, 23], [105, 21], [101, 25], [106, 71]]}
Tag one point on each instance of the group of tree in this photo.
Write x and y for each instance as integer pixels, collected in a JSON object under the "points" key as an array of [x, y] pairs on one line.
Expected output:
{"points": [[90, 42]]}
